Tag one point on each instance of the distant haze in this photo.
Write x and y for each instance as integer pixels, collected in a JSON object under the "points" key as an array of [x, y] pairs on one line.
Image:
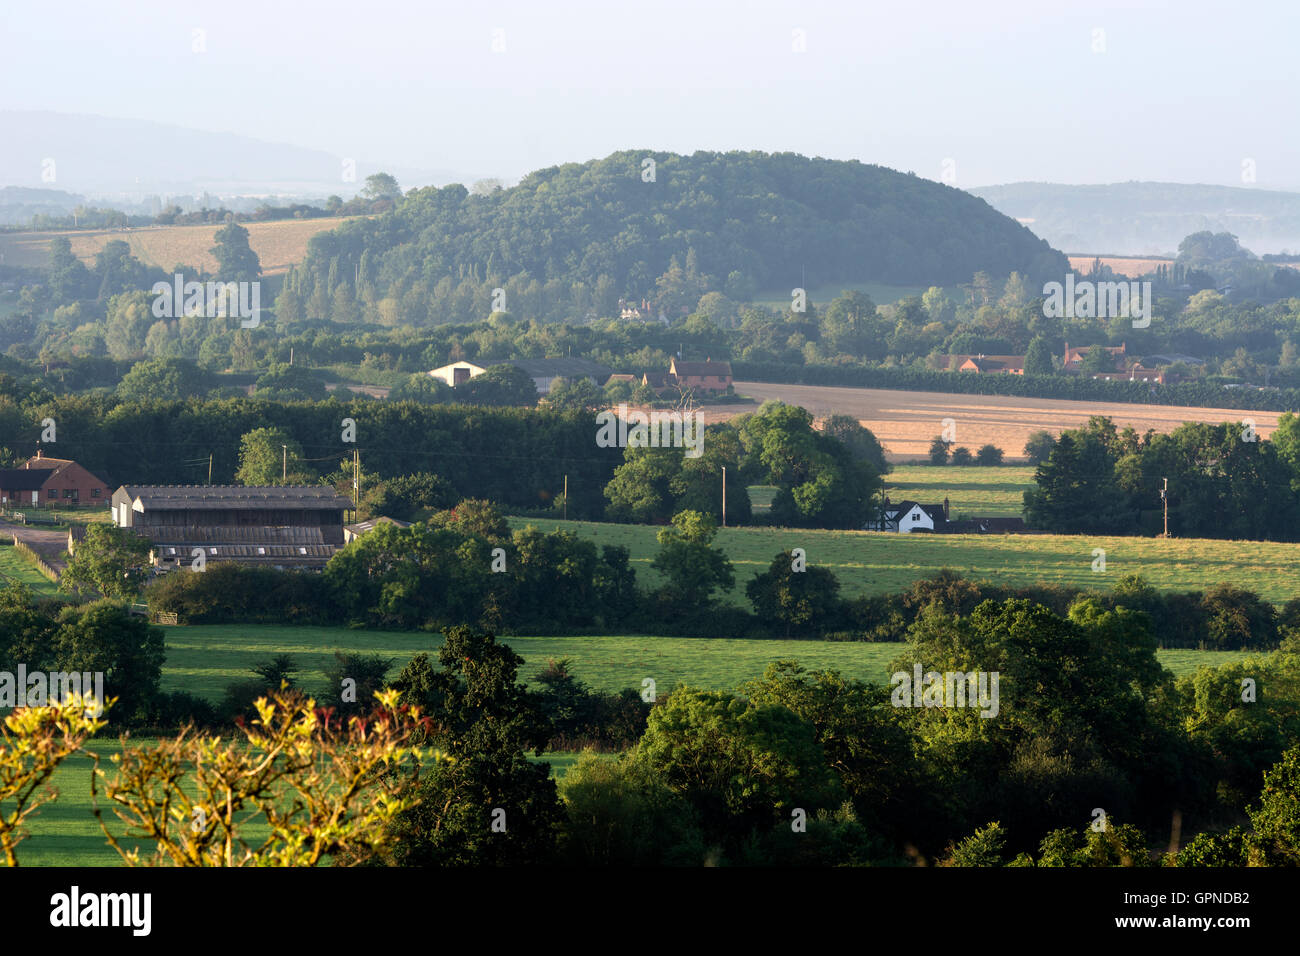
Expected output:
{"points": [[1014, 91], [1149, 218]]}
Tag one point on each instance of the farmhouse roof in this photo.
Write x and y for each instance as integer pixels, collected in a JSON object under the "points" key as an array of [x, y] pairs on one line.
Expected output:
{"points": [[903, 507], [705, 368], [225, 497], [23, 479]]}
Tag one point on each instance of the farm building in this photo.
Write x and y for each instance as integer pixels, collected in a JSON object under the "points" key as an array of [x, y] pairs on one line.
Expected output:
{"points": [[543, 372], [50, 481], [353, 531], [908, 516], [292, 526], [457, 372]]}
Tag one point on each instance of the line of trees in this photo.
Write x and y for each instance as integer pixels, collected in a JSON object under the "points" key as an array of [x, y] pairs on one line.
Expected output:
{"points": [[1224, 481]]}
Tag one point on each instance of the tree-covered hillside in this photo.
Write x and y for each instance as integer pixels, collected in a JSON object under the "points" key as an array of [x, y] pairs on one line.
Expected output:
{"points": [[588, 234]]}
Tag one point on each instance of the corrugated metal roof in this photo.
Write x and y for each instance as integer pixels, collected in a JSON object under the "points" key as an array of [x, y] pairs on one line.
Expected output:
{"points": [[220, 534], [225, 497]]}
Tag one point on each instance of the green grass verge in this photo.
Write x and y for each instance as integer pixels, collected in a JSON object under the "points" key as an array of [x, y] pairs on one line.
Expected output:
{"points": [[15, 566]]}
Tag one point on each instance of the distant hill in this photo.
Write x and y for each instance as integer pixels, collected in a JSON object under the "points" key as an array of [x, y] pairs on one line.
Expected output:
{"points": [[1149, 218], [18, 203], [104, 155], [778, 220]]}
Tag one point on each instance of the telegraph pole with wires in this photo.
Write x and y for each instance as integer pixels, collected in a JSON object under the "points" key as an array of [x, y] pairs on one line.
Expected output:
{"points": [[209, 467]]}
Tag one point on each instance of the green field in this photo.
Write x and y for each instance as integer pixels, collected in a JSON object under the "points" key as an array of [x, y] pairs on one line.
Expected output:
{"points": [[204, 659], [874, 562], [972, 491]]}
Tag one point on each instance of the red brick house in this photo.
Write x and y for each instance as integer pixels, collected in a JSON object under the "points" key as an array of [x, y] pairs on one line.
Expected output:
{"points": [[1004, 364], [51, 481], [706, 376], [1074, 356]]}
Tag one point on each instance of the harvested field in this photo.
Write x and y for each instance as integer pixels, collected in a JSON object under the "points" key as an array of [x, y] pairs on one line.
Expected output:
{"points": [[1132, 266], [906, 421], [278, 244]]}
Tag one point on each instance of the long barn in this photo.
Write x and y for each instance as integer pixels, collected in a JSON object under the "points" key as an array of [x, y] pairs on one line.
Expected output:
{"points": [[298, 526]]}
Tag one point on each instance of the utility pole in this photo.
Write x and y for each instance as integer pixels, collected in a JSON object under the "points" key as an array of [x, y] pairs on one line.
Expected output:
{"points": [[566, 497], [356, 480], [284, 464], [1164, 498], [209, 467], [724, 496]]}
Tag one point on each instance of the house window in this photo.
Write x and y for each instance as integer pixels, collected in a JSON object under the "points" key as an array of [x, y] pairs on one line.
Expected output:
{"points": [[51, 493], [94, 492]]}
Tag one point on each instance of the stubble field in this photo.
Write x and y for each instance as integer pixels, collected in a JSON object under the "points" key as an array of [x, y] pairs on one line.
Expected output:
{"points": [[905, 422]]}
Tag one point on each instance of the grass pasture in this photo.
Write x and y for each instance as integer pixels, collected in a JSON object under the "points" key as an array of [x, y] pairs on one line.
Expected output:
{"points": [[875, 562], [204, 659], [973, 491]]}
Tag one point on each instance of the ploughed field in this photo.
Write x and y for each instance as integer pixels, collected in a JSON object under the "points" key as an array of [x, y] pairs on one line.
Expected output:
{"points": [[905, 422]]}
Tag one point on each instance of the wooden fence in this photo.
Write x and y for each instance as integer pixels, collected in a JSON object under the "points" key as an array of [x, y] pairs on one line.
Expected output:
{"points": [[41, 564]]}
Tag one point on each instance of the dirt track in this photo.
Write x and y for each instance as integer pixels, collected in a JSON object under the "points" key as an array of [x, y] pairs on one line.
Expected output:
{"points": [[905, 422]]}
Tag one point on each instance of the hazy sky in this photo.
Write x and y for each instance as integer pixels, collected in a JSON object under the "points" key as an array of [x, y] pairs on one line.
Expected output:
{"points": [[1008, 90]]}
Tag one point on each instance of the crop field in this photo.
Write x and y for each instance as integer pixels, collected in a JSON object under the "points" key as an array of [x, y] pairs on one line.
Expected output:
{"points": [[972, 491], [878, 562], [905, 422], [278, 244]]}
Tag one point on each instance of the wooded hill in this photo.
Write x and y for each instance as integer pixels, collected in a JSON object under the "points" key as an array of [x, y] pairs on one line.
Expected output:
{"points": [[753, 220]]}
